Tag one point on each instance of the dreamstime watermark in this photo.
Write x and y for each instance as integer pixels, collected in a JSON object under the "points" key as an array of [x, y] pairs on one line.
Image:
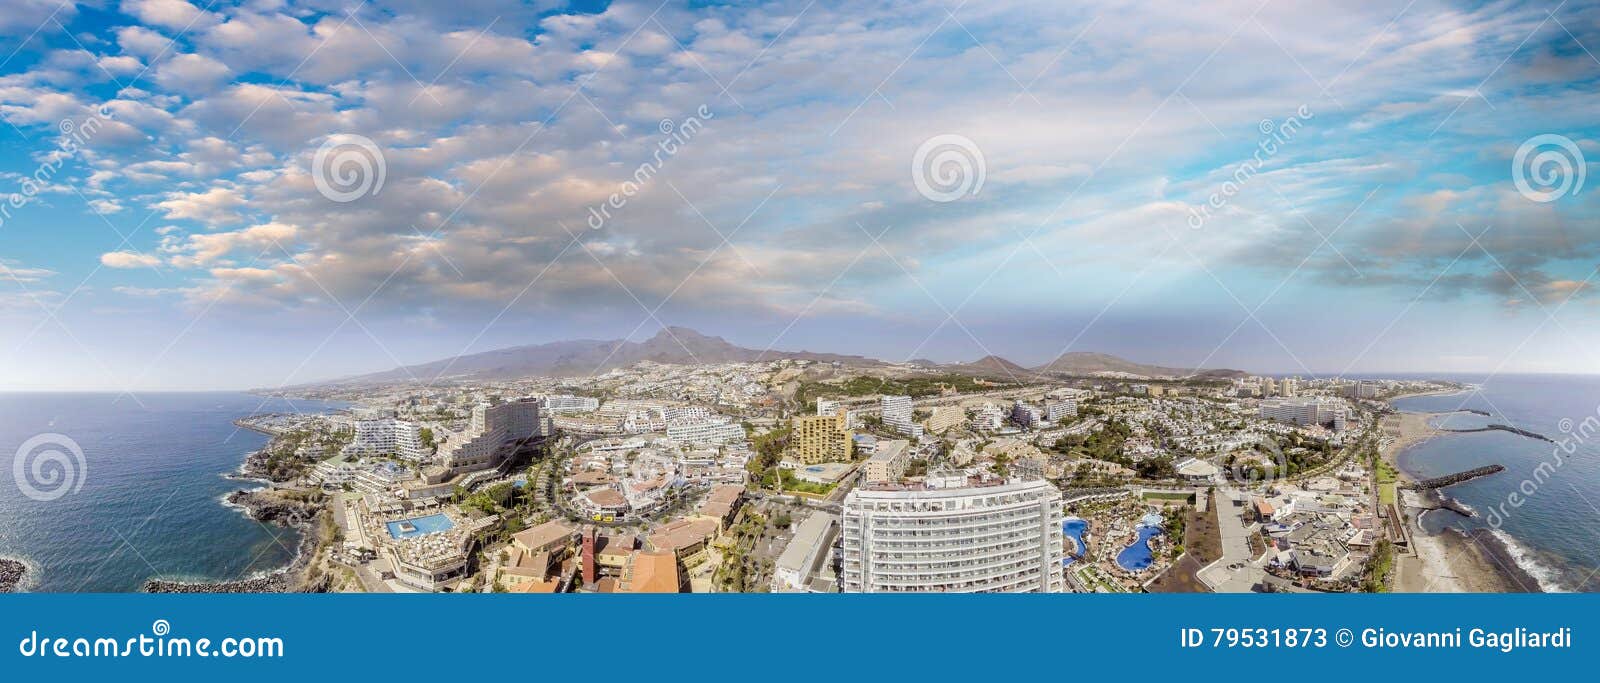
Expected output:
{"points": [[1576, 434], [348, 167], [1548, 167], [675, 134], [948, 167], [1273, 138], [158, 643], [74, 138], [49, 466], [1264, 465]]}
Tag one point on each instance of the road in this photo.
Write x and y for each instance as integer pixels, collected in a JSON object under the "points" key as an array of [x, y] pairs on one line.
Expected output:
{"points": [[1220, 575]]}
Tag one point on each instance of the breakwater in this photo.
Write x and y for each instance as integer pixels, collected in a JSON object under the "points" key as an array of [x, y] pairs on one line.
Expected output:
{"points": [[12, 572], [1503, 428], [1453, 479]]}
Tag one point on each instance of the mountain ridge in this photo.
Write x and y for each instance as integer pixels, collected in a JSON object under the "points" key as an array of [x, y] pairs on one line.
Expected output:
{"points": [[675, 345]]}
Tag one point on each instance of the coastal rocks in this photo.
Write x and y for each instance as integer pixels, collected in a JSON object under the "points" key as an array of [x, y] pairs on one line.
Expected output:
{"points": [[283, 507], [298, 509], [276, 582], [12, 572]]}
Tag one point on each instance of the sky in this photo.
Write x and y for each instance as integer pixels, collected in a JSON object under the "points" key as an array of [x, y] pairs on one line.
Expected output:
{"points": [[261, 193]]}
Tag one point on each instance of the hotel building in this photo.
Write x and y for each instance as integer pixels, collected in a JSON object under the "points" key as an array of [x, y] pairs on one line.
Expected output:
{"points": [[1304, 411], [953, 536], [897, 416], [386, 436], [822, 438], [482, 445]]}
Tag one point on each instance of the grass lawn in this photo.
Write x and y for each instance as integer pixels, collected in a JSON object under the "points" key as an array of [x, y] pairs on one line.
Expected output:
{"points": [[1386, 493]]}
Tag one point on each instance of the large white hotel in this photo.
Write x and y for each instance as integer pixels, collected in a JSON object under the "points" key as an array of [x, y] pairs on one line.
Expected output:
{"points": [[951, 535]]}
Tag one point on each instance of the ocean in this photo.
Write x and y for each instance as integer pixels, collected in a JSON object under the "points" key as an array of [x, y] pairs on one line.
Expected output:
{"points": [[1546, 504], [144, 499]]}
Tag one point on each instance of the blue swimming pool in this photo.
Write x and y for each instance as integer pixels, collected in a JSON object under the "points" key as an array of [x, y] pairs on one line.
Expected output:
{"points": [[1074, 528], [420, 526], [1138, 556]]}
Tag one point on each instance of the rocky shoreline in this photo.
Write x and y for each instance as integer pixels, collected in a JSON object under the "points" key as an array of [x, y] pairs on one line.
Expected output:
{"points": [[289, 508], [12, 574]]}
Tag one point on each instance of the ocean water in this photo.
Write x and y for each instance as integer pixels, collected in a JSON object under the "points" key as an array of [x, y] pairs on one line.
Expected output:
{"points": [[144, 500], [1546, 504]]}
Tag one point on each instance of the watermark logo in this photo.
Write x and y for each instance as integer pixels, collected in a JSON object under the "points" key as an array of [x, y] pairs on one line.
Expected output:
{"points": [[1274, 136], [674, 135], [49, 466], [1261, 466], [1548, 167], [948, 167], [348, 167], [70, 144]]}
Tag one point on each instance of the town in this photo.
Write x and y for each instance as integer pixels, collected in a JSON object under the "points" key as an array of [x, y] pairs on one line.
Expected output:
{"points": [[797, 475]]}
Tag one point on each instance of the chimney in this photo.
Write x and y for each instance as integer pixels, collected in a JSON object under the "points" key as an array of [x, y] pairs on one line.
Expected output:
{"points": [[589, 569]]}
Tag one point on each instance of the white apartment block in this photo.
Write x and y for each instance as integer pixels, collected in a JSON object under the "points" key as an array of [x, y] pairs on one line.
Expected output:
{"points": [[954, 538], [989, 418], [1026, 416], [491, 428], [572, 404], [1057, 410], [1303, 411], [897, 415], [702, 431], [386, 436]]}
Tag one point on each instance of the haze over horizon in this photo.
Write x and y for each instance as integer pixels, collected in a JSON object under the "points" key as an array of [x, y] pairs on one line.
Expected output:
{"points": [[1254, 185]]}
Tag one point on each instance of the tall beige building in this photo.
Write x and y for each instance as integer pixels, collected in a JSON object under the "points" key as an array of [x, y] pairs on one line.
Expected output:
{"points": [[822, 438]]}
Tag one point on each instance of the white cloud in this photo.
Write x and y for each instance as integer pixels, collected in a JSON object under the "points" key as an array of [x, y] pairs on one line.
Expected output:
{"points": [[128, 259], [172, 14]]}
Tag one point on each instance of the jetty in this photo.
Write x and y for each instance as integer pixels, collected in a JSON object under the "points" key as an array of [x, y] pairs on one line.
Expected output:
{"points": [[1503, 428], [1452, 479]]}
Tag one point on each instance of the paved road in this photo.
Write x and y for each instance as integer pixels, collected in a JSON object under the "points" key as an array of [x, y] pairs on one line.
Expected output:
{"points": [[1236, 550]]}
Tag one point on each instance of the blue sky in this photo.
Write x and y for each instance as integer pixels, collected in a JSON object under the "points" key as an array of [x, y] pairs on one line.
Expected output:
{"points": [[1259, 185]]}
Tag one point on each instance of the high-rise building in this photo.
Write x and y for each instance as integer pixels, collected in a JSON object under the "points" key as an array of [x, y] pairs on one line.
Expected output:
{"points": [[1361, 389], [386, 436], [897, 415], [822, 438], [492, 428], [989, 418], [953, 536]]}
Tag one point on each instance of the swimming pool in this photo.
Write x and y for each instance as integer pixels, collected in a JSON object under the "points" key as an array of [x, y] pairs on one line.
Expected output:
{"points": [[1074, 528], [1138, 556], [420, 526]]}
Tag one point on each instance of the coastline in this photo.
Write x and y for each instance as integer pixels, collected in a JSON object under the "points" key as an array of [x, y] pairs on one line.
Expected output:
{"points": [[1452, 561], [269, 505]]}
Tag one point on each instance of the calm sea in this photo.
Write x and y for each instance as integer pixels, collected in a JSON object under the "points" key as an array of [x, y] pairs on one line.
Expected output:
{"points": [[1546, 504], [144, 500]]}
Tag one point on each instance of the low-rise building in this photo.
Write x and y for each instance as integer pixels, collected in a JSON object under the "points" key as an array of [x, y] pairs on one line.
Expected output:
{"points": [[805, 553]]}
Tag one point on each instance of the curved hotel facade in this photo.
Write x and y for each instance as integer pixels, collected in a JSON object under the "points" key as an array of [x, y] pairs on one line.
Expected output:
{"points": [[952, 536]]}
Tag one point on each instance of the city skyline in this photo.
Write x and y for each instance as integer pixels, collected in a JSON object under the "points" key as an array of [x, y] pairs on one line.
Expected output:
{"points": [[1269, 188]]}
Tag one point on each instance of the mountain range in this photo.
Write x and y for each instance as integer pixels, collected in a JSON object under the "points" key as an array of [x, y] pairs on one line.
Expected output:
{"points": [[682, 346]]}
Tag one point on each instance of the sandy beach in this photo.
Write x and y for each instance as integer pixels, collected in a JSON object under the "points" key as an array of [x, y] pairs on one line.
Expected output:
{"points": [[1448, 562]]}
